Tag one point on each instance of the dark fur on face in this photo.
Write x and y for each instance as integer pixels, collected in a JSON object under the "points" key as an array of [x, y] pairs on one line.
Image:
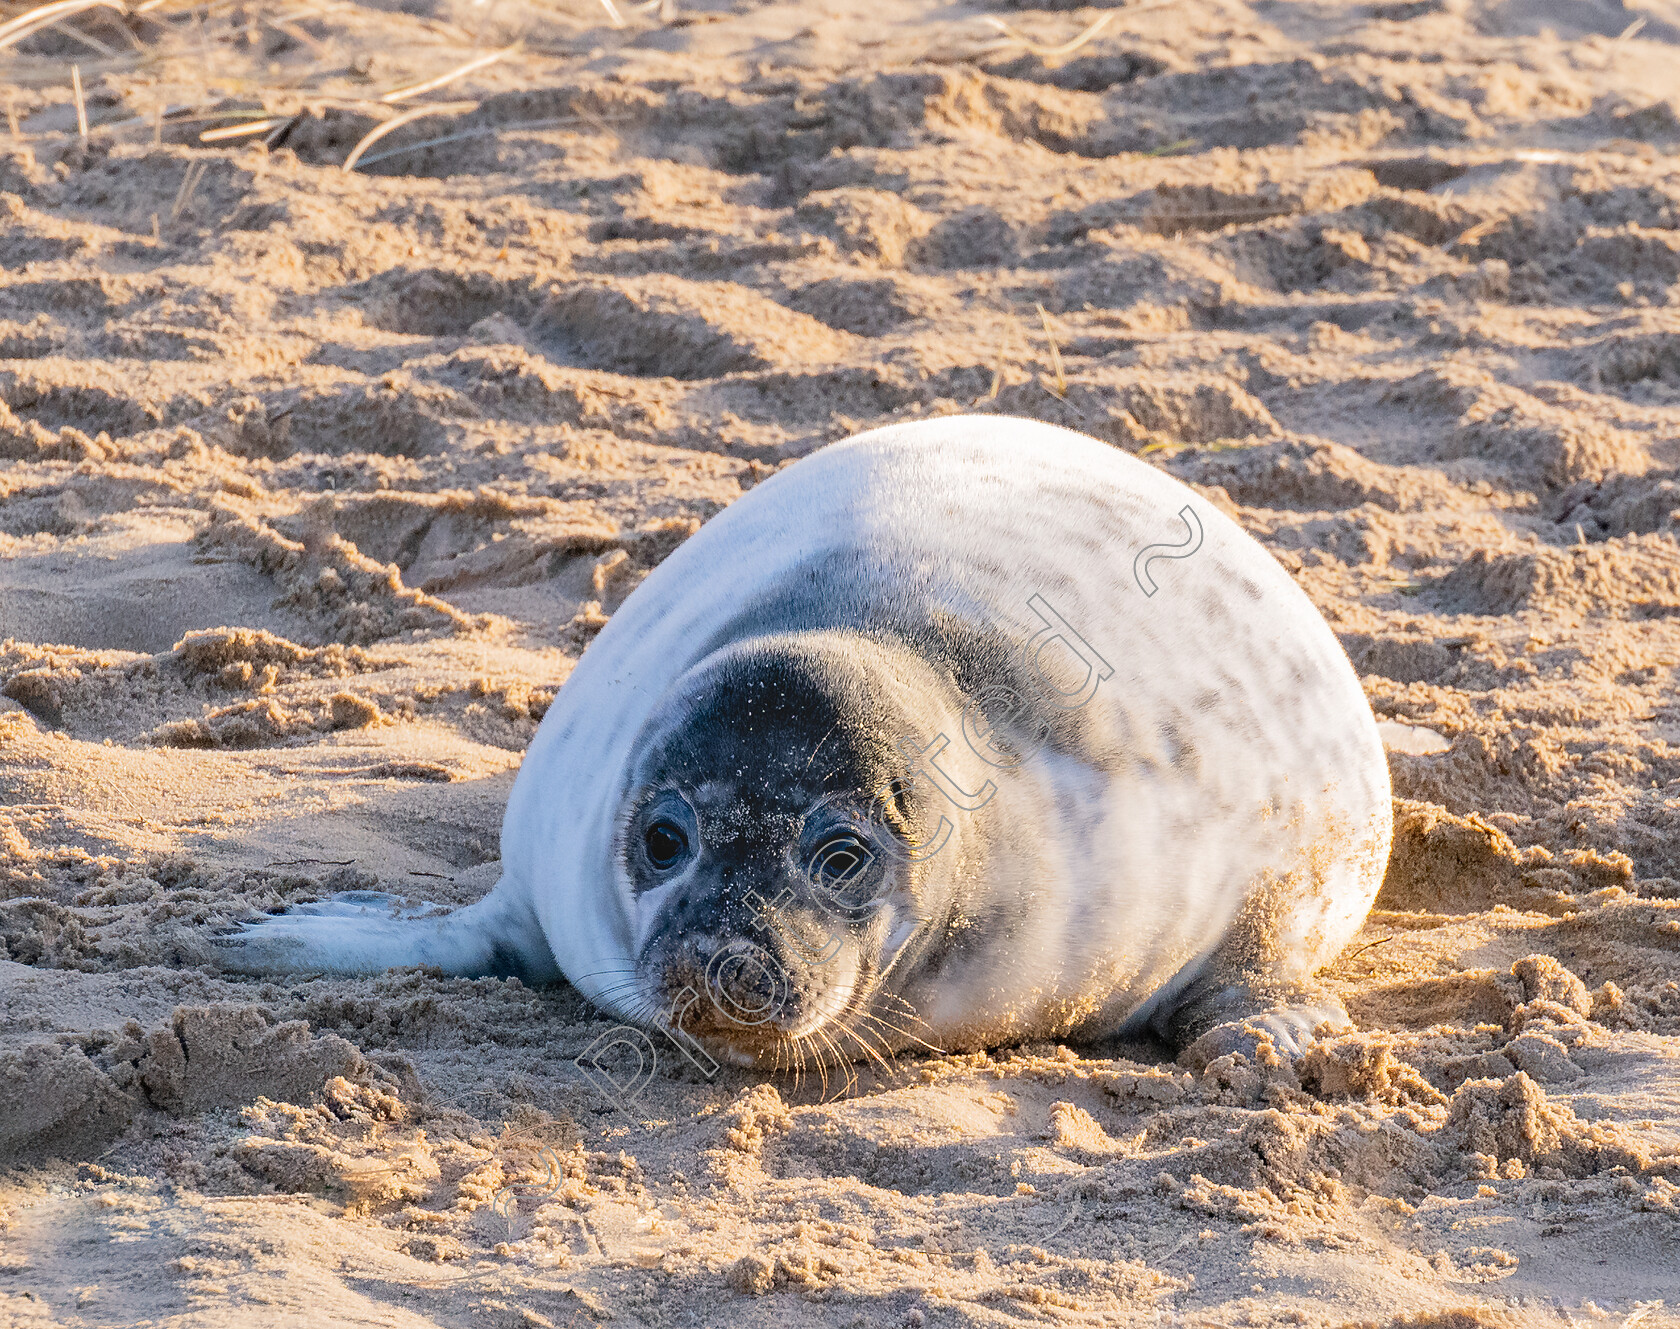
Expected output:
{"points": [[772, 831]]}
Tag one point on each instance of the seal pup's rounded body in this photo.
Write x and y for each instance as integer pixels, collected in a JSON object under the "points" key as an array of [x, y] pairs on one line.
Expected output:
{"points": [[1104, 765]]}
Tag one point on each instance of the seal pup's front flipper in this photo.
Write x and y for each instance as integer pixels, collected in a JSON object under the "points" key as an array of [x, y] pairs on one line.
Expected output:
{"points": [[366, 932], [1216, 1019]]}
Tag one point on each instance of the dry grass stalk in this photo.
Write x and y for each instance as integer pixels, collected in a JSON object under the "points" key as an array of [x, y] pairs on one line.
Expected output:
{"points": [[134, 43], [302, 38], [81, 102], [442, 80], [282, 127], [86, 39], [1060, 390], [1474, 235], [488, 131], [998, 369], [965, 45], [1368, 946], [26, 25], [242, 131], [307, 11], [1053, 52], [397, 122], [613, 16], [181, 121], [189, 184]]}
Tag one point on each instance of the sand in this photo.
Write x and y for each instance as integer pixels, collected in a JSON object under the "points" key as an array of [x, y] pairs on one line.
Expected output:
{"points": [[315, 484]]}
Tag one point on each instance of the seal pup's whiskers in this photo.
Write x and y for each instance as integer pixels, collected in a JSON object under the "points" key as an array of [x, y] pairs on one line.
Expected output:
{"points": [[881, 1057], [902, 1033], [839, 1061]]}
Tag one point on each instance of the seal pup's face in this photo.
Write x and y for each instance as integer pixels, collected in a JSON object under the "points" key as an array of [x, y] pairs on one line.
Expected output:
{"points": [[770, 843]]}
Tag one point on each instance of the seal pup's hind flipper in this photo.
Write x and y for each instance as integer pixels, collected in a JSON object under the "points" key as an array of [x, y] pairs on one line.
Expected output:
{"points": [[366, 932]]}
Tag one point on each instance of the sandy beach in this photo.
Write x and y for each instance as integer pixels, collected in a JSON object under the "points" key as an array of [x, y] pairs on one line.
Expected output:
{"points": [[315, 484]]}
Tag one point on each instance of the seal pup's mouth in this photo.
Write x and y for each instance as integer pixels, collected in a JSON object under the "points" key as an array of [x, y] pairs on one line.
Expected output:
{"points": [[860, 1021], [832, 1004], [794, 988], [748, 1004]]}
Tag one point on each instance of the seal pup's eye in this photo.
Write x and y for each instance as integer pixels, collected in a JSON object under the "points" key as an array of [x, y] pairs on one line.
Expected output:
{"points": [[665, 843], [839, 859], [843, 868]]}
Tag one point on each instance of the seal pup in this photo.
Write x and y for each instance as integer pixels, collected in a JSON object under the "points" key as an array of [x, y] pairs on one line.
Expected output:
{"points": [[956, 733]]}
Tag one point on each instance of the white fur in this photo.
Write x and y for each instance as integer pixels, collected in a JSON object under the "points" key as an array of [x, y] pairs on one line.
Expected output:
{"points": [[1155, 865]]}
